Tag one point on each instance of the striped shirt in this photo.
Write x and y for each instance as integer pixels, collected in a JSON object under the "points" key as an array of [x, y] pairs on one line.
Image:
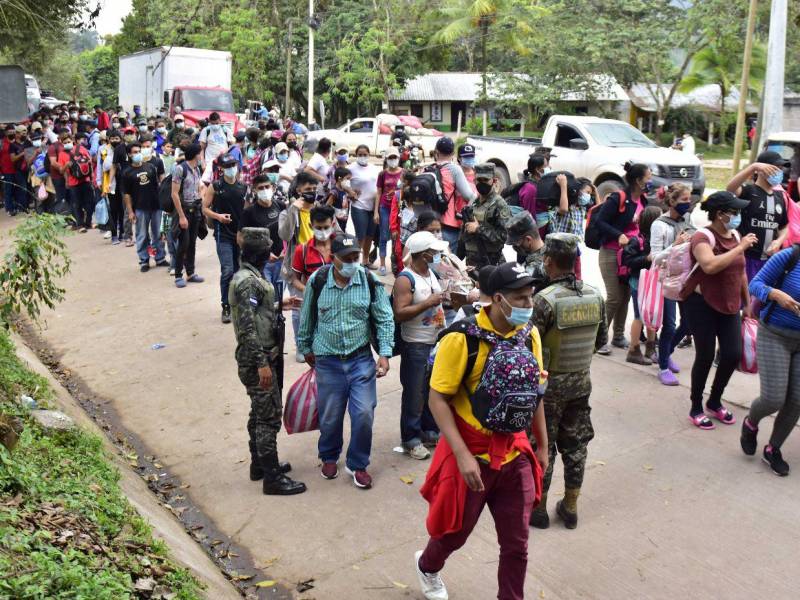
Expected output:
{"points": [[339, 322], [764, 282], [572, 222]]}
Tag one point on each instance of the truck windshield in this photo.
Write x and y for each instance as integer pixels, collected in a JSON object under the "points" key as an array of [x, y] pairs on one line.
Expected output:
{"points": [[619, 135], [219, 100]]}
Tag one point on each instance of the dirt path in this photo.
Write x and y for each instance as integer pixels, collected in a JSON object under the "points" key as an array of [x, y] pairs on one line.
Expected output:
{"points": [[667, 511]]}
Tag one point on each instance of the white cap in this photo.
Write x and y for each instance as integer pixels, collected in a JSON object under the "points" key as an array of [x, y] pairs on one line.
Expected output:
{"points": [[281, 147], [178, 117], [272, 163], [424, 240]]}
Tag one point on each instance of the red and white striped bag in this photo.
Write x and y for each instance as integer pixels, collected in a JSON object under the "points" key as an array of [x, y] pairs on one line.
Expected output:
{"points": [[748, 362], [651, 298], [300, 412]]}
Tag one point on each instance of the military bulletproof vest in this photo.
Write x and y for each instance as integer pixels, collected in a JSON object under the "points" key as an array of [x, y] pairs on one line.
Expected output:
{"points": [[569, 343], [480, 211], [262, 300]]}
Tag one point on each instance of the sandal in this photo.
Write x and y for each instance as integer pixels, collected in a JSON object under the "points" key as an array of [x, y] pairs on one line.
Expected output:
{"points": [[702, 422], [723, 415]]}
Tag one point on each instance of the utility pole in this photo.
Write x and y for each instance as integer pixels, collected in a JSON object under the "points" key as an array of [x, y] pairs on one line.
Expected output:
{"points": [[743, 89], [776, 64], [288, 97], [310, 113]]}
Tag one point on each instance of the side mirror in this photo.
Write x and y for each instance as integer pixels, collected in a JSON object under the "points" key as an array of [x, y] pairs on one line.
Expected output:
{"points": [[178, 109], [578, 144], [166, 98]]}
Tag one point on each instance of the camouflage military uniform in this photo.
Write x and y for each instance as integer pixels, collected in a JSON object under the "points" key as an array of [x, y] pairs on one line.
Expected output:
{"points": [[252, 300], [534, 264], [570, 316], [485, 246]]}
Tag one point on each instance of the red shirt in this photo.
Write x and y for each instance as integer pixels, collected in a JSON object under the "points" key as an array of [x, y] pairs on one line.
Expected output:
{"points": [[6, 165], [722, 291], [387, 182], [54, 151], [103, 121], [313, 259]]}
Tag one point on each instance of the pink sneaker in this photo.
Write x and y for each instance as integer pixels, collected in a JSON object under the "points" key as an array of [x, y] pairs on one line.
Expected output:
{"points": [[666, 377], [673, 366]]}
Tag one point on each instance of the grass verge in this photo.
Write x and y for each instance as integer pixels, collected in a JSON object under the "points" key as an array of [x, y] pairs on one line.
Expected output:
{"points": [[66, 529]]}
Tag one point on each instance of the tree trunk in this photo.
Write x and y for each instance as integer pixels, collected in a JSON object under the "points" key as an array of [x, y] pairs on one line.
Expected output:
{"points": [[484, 32]]}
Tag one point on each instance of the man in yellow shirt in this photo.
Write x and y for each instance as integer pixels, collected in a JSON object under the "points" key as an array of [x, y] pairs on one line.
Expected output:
{"points": [[474, 465]]}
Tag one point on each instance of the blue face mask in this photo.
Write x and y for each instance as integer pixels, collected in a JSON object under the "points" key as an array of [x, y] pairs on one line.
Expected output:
{"points": [[468, 162], [230, 172], [283, 157], [251, 152], [347, 270], [683, 208], [648, 187], [775, 179], [137, 159], [437, 258], [585, 199], [518, 316], [734, 222]]}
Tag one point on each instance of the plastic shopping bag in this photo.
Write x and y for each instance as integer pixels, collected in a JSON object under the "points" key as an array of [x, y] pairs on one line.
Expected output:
{"points": [[748, 363], [300, 413], [651, 298], [101, 211]]}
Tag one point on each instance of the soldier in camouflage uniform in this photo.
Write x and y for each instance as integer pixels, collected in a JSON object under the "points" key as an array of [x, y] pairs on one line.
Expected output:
{"points": [[523, 235], [485, 219], [570, 316], [252, 301]]}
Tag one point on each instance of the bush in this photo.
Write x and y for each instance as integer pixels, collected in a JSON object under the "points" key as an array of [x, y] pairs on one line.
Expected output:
{"points": [[686, 119]]}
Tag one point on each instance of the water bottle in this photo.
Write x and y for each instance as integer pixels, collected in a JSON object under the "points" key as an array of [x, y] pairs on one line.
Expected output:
{"points": [[28, 402]]}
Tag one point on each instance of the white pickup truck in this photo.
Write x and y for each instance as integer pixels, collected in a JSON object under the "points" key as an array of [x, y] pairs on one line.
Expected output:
{"points": [[593, 148], [364, 131]]}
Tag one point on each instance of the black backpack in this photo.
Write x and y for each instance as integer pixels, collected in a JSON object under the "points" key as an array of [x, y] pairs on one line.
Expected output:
{"points": [[80, 166], [318, 282], [165, 202], [548, 190], [427, 189], [593, 237]]}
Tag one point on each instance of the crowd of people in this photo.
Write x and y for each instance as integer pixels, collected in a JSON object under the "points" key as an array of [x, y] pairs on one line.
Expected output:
{"points": [[495, 355]]}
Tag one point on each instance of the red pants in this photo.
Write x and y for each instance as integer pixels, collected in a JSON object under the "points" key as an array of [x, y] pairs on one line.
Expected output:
{"points": [[509, 493]]}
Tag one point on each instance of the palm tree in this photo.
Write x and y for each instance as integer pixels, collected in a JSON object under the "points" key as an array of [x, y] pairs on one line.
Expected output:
{"points": [[720, 66], [467, 17]]}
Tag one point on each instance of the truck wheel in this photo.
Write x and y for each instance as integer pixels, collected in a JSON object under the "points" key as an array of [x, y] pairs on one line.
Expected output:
{"points": [[607, 187], [503, 178]]}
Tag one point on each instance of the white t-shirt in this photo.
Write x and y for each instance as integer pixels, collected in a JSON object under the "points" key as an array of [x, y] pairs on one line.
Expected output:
{"points": [[687, 145], [317, 164], [425, 327], [365, 180], [216, 142]]}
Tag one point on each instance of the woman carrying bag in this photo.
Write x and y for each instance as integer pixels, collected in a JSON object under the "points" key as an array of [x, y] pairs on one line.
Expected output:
{"points": [[777, 286]]}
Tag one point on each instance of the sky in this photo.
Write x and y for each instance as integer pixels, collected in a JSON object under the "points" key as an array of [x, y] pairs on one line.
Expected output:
{"points": [[110, 19]]}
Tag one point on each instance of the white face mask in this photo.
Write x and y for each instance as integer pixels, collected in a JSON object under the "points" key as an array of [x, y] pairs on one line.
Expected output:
{"points": [[363, 160], [346, 184], [179, 124], [264, 195], [323, 234], [68, 146], [147, 152], [393, 163]]}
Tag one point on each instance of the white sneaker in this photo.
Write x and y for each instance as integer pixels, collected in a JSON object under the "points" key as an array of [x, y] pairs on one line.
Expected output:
{"points": [[431, 583], [299, 357], [107, 235], [419, 452]]}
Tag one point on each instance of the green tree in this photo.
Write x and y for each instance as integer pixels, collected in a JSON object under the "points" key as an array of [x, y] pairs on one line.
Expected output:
{"points": [[100, 69], [722, 66], [61, 73]]}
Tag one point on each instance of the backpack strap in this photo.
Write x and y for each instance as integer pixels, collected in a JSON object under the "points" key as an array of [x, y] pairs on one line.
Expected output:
{"points": [[622, 199], [410, 277], [787, 268]]}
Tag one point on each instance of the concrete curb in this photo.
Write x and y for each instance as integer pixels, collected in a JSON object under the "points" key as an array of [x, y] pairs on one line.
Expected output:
{"points": [[165, 527]]}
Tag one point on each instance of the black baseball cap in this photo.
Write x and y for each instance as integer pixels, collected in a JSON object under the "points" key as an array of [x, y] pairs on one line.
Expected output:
{"points": [[509, 276], [770, 157], [445, 145], [344, 244], [466, 150], [227, 160], [723, 201]]}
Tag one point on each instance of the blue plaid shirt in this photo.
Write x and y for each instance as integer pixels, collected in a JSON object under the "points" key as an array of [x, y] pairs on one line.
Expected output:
{"points": [[339, 322], [572, 222]]}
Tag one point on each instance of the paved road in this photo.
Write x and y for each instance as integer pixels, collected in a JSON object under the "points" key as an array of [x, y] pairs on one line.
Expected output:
{"points": [[667, 511]]}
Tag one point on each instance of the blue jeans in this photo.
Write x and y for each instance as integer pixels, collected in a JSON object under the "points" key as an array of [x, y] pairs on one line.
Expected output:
{"points": [[272, 272], [15, 195], [228, 254], [451, 235], [383, 229], [148, 233], [416, 420], [670, 335], [346, 384], [170, 245], [363, 224]]}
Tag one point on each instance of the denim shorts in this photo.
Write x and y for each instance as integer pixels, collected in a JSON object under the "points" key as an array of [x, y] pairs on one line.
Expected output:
{"points": [[363, 223]]}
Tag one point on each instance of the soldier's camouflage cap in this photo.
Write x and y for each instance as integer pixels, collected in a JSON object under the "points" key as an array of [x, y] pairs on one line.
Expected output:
{"points": [[561, 243], [255, 238], [519, 226], [484, 170]]}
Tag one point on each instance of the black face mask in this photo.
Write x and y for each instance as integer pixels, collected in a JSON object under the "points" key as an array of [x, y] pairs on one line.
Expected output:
{"points": [[114, 144], [291, 144], [483, 188], [522, 253], [309, 196], [10, 135]]}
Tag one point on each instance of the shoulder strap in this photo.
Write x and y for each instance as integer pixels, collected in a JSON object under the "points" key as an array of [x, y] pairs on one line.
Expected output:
{"points": [[410, 278], [788, 268], [622, 198], [318, 281]]}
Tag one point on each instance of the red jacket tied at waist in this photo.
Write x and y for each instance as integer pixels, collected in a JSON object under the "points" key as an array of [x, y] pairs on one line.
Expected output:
{"points": [[445, 488]]}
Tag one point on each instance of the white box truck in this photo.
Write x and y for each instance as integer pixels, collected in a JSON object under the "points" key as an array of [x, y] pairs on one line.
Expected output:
{"points": [[172, 79]]}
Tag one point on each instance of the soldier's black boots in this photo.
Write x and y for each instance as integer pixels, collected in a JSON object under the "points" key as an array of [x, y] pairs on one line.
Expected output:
{"points": [[226, 313], [257, 473], [570, 519], [275, 482], [539, 518]]}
